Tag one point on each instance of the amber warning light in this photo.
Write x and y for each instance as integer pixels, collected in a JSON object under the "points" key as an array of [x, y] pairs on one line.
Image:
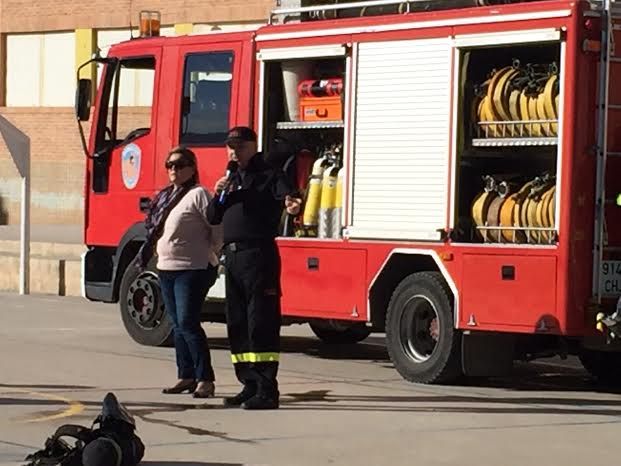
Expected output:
{"points": [[149, 23]]}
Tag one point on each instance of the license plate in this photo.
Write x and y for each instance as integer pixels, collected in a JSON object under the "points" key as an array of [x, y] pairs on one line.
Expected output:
{"points": [[610, 279]]}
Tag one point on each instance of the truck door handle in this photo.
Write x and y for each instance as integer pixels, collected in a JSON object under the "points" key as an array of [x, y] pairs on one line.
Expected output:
{"points": [[144, 203]]}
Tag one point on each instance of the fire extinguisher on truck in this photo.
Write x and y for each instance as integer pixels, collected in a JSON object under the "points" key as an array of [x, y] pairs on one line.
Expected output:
{"points": [[452, 199]]}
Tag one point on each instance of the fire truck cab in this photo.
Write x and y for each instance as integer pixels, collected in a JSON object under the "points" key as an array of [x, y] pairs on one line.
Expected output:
{"points": [[455, 164]]}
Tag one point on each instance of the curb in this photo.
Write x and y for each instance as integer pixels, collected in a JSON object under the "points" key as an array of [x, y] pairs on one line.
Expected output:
{"points": [[54, 268]]}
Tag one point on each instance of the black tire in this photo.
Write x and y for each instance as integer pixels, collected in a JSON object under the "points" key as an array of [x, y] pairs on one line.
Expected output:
{"points": [[142, 308], [337, 333], [603, 365], [421, 338]]}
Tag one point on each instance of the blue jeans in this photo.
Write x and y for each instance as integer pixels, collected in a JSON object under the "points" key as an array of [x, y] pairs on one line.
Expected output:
{"points": [[183, 292]]}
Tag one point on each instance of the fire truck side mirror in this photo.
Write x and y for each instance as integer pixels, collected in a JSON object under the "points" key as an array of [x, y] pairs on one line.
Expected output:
{"points": [[83, 100]]}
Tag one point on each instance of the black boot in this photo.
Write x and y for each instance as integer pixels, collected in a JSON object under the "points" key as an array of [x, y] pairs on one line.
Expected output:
{"points": [[261, 401], [237, 400]]}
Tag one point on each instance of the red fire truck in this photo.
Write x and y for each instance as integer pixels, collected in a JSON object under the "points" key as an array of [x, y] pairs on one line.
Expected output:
{"points": [[457, 163]]}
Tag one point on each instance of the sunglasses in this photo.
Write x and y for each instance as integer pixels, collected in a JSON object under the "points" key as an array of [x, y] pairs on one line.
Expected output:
{"points": [[177, 164]]}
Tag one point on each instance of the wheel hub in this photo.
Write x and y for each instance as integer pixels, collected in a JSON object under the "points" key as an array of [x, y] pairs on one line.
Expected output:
{"points": [[419, 328], [144, 302]]}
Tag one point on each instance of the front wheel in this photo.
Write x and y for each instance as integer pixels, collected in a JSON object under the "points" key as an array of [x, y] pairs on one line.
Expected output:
{"points": [[142, 308], [421, 338]]}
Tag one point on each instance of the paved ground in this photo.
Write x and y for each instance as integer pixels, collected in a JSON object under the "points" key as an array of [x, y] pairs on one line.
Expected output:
{"points": [[341, 406]]}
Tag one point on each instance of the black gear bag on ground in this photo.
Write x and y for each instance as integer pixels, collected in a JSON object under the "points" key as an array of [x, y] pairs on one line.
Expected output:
{"points": [[112, 440]]}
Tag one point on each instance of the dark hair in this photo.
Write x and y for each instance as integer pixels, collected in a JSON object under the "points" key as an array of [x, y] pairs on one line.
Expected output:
{"points": [[186, 155]]}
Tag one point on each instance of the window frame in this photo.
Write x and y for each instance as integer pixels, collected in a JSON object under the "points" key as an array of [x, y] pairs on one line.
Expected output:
{"points": [[110, 95]]}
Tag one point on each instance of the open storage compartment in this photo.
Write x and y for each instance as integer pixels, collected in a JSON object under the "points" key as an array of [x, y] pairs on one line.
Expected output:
{"points": [[303, 132], [507, 153]]}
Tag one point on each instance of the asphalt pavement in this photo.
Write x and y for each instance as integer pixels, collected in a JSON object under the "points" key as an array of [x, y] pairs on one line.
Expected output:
{"points": [[341, 405]]}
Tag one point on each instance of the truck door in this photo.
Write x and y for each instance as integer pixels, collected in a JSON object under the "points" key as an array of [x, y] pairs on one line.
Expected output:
{"points": [[121, 175], [204, 106]]}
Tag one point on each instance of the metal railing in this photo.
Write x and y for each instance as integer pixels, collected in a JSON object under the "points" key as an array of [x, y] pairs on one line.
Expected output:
{"points": [[602, 147], [343, 6]]}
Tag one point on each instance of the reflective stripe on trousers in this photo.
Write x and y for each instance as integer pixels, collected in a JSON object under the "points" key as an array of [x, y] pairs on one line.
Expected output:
{"points": [[255, 357]]}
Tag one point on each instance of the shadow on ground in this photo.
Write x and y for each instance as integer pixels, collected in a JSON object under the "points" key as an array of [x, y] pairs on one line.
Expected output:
{"points": [[541, 375], [186, 463], [46, 387], [371, 349], [318, 400]]}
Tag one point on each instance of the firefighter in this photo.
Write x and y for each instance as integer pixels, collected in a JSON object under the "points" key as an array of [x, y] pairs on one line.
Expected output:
{"points": [[249, 203]]}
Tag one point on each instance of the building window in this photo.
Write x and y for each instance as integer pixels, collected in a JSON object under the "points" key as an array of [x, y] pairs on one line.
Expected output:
{"points": [[206, 98], [40, 70]]}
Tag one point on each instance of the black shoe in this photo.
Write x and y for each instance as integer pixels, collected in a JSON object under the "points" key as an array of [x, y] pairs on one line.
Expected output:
{"points": [[237, 400], [261, 402]]}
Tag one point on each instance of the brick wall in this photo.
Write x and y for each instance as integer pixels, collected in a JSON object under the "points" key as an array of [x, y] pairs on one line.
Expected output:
{"points": [[48, 15], [57, 167], [57, 163], [57, 160]]}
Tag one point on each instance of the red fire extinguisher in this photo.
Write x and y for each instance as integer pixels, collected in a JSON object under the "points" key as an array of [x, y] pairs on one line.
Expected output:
{"points": [[321, 87]]}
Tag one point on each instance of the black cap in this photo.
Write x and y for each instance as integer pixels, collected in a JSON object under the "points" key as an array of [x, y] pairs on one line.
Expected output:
{"points": [[241, 133], [102, 452]]}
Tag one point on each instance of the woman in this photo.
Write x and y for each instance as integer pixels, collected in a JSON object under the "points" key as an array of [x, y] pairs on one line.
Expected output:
{"points": [[187, 260]]}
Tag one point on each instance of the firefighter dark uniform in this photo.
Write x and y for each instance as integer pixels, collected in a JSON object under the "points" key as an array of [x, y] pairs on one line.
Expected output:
{"points": [[251, 214]]}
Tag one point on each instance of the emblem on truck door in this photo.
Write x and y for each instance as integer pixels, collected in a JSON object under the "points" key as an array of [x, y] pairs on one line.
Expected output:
{"points": [[130, 165]]}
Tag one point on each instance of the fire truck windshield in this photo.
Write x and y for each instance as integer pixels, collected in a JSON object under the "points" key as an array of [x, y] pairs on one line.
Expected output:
{"points": [[127, 100]]}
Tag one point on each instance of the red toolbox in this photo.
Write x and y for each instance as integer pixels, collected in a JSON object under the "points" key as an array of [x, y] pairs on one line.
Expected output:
{"points": [[321, 108]]}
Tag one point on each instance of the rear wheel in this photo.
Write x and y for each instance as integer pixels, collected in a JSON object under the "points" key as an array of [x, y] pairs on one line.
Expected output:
{"points": [[332, 331], [420, 334], [603, 365], [142, 308]]}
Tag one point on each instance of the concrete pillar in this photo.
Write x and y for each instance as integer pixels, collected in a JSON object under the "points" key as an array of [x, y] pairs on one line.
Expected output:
{"points": [[290, 3], [3, 70], [183, 29], [85, 46], [2, 63]]}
